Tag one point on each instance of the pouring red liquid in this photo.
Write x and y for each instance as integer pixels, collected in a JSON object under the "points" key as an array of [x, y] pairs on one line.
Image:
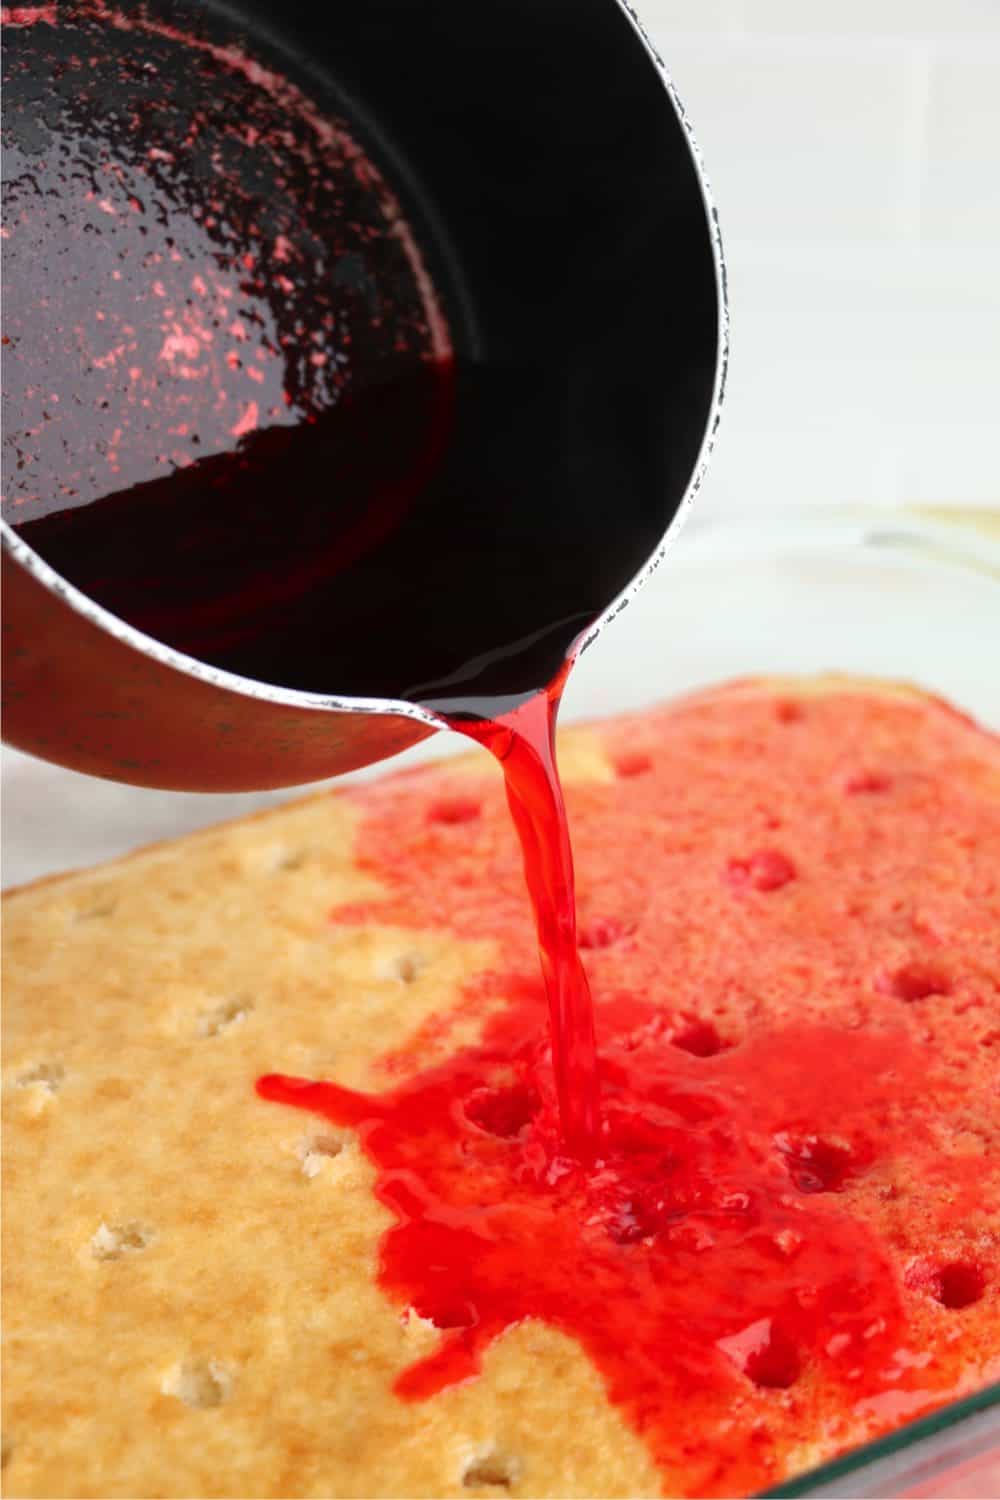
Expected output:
{"points": [[523, 741]]}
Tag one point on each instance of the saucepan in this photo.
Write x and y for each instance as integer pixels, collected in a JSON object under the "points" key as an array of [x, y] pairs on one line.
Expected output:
{"points": [[515, 312]]}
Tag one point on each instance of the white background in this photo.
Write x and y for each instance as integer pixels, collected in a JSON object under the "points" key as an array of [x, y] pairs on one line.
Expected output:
{"points": [[853, 147]]}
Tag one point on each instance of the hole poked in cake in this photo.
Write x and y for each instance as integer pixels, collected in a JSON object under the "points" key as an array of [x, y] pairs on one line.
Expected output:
{"points": [[604, 932], [404, 968], [865, 781], [641, 1215], [454, 810], [686, 1031], [286, 860], [697, 1037], [48, 1077], [116, 1241], [37, 1086], [959, 1283], [216, 1020], [503, 1112], [763, 870], [314, 1151], [494, 1468], [765, 1353], [96, 911], [631, 763], [444, 1310], [953, 1283], [913, 981], [817, 1163], [199, 1383]]}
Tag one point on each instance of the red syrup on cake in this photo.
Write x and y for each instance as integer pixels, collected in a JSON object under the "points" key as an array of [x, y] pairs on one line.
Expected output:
{"points": [[687, 1261], [769, 1160], [698, 1261]]}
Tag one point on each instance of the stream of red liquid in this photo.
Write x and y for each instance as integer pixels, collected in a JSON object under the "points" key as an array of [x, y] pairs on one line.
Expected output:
{"points": [[523, 741]]}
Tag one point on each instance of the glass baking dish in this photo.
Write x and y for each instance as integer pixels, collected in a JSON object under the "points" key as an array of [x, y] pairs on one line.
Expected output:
{"points": [[889, 593]]}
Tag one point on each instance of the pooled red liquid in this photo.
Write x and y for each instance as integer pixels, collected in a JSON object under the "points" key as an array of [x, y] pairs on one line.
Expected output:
{"points": [[689, 1260], [775, 1221]]}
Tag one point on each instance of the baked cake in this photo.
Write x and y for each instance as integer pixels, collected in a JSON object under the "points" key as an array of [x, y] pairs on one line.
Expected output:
{"points": [[286, 1210]]}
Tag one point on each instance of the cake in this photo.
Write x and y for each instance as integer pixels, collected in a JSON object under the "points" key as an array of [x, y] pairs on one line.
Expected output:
{"points": [[286, 1208]]}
